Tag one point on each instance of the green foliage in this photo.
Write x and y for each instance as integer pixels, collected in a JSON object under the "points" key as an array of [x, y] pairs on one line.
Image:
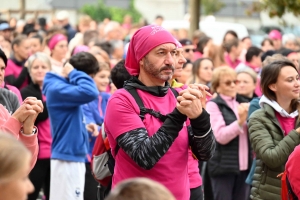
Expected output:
{"points": [[100, 11], [211, 7], [276, 8]]}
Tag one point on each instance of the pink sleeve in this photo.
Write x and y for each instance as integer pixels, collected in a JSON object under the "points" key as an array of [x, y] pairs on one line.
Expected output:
{"points": [[31, 142], [223, 134], [9, 68], [293, 172], [13, 126], [121, 115]]}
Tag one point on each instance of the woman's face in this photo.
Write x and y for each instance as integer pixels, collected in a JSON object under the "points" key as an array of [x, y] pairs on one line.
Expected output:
{"points": [[237, 50], [267, 46], [38, 71], [186, 73], [102, 80], [229, 37], [23, 49], [179, 61], [60, 50], [205, 71], [35, 45], [287, 85], [246, 85], [20, 186], [228, 86]]}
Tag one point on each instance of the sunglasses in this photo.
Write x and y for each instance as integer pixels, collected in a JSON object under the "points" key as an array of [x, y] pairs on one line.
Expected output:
{"points": [[228, 83], [188, 50]]}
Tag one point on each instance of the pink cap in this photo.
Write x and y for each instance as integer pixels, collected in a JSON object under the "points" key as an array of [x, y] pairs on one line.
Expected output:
{"points": [[142, 42], [80, 48], [275, 35], [56, 39]]}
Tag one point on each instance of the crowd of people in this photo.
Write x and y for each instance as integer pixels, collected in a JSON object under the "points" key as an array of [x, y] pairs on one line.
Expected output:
{"points": [[213, 122]]}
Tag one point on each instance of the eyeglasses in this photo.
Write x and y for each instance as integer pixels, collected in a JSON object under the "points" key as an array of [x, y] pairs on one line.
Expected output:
{"points": [[228, 83], [188, 50]]}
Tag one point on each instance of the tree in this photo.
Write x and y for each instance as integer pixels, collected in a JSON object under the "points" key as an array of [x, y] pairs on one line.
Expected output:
{"points": [[100, 11], [194, 7], [276, 8], [211, 7]]}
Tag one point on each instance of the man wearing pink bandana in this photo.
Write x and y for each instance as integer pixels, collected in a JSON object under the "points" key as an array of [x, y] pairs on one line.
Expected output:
{"points": [[151, 147]]}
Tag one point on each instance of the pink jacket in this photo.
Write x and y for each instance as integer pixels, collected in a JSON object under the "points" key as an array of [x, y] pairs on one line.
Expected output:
{"points": [[12, 126], [293, 172]]}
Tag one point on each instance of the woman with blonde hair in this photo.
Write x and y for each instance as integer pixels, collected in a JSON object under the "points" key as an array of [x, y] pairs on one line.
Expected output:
{"points": [[38, 65], [228, 168], [15, 161]]}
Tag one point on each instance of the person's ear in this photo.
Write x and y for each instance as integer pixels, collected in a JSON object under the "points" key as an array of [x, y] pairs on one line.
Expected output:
{"points": [[273, 87], [141, 63]]}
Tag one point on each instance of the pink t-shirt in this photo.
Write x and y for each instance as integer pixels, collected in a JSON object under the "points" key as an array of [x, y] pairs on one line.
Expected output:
{"points": [[15, 70], [230, 62], [172, 169], [45, 138], [287, 124]]}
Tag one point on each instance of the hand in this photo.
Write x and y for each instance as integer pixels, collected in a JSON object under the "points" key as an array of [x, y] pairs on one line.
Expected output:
{"points": [[29, 124], [37, 107], [22, 113], [298, 130], [67, 70], [243, 113], [189, 103], [204, 93], [93, 128]]}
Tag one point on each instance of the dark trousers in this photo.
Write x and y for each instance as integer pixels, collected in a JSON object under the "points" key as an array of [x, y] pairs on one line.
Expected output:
{"points": [[231, 187], [40, 178], [196, 193], [91, 185]]}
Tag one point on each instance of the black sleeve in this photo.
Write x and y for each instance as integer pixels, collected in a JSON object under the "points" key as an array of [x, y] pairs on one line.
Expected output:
{"points": [[146, 151], [44, 115], [30, 92], [201, 137], [17, 82]]}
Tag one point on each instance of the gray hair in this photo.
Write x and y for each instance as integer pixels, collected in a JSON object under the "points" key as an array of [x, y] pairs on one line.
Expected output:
{"points": [[117, 44], [249, 71], [288, 37], [41, 56]]}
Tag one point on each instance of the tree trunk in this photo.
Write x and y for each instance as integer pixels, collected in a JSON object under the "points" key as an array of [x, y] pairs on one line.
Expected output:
{"points": [[194, 16], [22, 9]]}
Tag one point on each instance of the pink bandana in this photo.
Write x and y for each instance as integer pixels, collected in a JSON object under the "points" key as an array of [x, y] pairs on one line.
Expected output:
{"points": [[142, 42], [56, 39]]}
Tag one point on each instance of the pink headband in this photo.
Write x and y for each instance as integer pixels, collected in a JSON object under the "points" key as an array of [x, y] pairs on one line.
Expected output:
{"points": [[142, 42], [56, 39]]}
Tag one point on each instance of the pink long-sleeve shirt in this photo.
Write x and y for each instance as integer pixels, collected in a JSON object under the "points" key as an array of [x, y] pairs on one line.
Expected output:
{"points": [[224, 134], [13, 126]]}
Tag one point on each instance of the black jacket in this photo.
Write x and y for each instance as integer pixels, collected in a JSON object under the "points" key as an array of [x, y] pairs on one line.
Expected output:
{"points": [[226, 157], [33, 90]]}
